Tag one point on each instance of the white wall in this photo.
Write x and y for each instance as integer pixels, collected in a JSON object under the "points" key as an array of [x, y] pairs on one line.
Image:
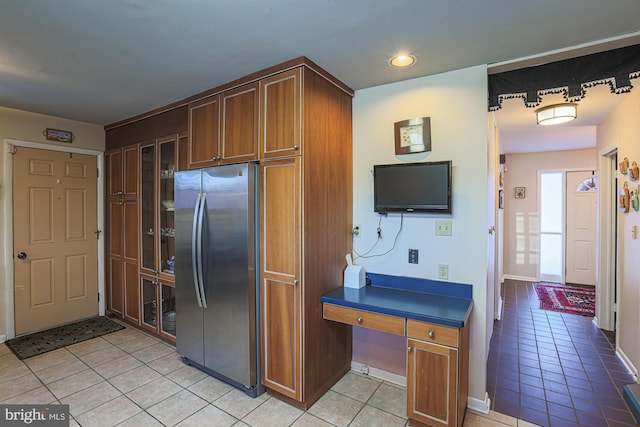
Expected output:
{"points": [[621, 129], [457, 104], [521, 230], [25, 126]]}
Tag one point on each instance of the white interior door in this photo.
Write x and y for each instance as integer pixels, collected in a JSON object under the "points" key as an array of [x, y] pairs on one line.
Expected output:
{"points": [[581, 228]]}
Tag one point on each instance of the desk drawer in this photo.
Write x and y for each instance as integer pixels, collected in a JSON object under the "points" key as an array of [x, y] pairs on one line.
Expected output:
{"points": [[366, 319], [429, 332]]}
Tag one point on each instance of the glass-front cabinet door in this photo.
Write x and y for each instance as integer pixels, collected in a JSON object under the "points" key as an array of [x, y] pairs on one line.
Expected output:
{"points": [[148, 211], [167, 225], [149, 303], [168, 314]]}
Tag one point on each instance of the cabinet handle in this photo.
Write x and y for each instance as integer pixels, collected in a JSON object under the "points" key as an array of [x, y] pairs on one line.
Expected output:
{"points": [[120, 203], [295, 147], [409, 349], [359, 319], [295, 282], [120, 193], [219, 158], [432, 334]]}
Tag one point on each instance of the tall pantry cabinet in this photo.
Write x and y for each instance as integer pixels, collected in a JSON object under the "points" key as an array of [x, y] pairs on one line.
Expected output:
{"points": [[305, 211], [122, 224]]}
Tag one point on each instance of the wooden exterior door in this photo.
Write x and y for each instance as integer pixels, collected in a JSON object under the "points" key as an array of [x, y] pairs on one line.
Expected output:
{"points": [[55, 243], [280, 278]]}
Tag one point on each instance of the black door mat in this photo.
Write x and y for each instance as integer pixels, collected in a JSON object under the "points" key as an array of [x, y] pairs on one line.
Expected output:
{"points": [[52, 339]]}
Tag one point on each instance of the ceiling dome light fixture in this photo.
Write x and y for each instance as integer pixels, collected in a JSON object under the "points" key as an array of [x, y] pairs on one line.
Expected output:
{"points": [[402, 61], [556, 114]]}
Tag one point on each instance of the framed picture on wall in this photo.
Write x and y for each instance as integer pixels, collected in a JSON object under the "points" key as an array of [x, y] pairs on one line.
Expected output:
{"points": [[519, 192]]}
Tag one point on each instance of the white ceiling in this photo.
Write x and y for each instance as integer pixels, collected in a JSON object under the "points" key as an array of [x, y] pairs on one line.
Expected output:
{"points": [[104, 61]]}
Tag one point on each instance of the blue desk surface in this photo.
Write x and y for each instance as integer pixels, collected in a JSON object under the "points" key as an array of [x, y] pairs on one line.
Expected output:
{"points": [[421, 305]]}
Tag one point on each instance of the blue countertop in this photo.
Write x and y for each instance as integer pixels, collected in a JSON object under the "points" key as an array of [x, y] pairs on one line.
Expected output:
{"points": [[433, 307]]}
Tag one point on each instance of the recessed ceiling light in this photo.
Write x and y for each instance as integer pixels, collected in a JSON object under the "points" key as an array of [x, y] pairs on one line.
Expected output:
{"points": [[401, 61]]}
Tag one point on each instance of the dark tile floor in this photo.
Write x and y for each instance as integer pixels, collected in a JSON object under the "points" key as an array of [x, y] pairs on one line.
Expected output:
{"points": [[554, 369]]}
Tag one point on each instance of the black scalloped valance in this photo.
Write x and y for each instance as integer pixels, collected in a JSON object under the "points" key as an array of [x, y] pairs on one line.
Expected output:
{"points": [[571, 77]]}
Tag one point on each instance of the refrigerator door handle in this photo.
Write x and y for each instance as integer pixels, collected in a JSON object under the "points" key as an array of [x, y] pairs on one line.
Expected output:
{"points": [[194, 250], [203, 202]]}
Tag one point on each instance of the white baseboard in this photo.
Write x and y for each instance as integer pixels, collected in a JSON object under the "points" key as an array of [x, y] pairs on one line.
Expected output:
{"points": [[378, 373], [3, 338], [479, 406], [522, 278], [498, 313], [632, 370]]}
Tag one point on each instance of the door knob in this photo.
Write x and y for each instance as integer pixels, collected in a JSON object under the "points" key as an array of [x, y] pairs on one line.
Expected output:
{"points": [[22, 255]]}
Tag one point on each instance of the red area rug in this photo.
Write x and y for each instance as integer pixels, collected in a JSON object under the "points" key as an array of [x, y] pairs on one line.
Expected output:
{"points": [[566, 299]]}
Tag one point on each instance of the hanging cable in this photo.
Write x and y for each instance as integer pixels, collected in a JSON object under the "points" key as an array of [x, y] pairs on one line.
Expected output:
{"points": [[395, 240]]}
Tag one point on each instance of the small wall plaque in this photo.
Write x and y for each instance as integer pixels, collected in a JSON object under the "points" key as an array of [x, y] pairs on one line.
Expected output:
{"points": [[519, 192], [413, 135], [58, 135]]}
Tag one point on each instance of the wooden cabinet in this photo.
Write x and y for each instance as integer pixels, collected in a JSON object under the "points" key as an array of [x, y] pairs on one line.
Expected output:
{"points": [[122, 172], [223, 129], [204, 133], [157, 236], [280, 243], [240, 124], [281, 113], [437, 373], [158, 307], [305, 209], [121, 226], [437, 363]]}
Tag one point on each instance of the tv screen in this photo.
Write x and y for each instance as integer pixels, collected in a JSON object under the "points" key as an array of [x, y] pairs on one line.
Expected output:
{"points": [[412, 187]]}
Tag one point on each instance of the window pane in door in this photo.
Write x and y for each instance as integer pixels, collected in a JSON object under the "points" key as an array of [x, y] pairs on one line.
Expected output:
{"points": [[551, 254], [551, 196]]}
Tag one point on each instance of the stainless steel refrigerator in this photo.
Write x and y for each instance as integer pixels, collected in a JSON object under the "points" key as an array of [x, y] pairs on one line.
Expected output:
{"points": [[217, 319]]}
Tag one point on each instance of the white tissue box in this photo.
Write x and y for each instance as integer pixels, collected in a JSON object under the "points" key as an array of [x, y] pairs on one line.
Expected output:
{"points": [[354, 277]]}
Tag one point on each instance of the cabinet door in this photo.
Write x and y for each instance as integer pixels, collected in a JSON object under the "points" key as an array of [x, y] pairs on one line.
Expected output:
{"points": [[432, 383], [130, 171], [114, 173], [281, 113], [204, 134], [115, 296], [240, 124], [131, 292], [280, 276], [148, 208], [149, 292], [167, 310], [166, 233]]}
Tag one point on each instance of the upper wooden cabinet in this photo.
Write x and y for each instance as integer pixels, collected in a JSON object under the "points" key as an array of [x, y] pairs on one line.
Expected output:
{"points": [[122, 172], [240, 124], [280, 109], [204, 133]]}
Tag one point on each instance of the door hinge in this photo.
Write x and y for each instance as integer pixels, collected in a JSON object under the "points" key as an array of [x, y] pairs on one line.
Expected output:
{"points": [[97, 172], [98, 296]]}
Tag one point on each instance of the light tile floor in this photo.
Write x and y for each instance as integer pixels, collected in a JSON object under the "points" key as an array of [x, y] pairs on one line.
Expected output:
{"points": [[129, 378]]}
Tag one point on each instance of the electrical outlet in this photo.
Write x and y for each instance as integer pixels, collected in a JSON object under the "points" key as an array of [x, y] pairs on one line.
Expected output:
{"points": [[443, 271], [356, 230], [443, 227]]}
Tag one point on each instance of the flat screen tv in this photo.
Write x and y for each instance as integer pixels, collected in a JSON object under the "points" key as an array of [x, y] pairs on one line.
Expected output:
{"points": [[412, 187]]}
